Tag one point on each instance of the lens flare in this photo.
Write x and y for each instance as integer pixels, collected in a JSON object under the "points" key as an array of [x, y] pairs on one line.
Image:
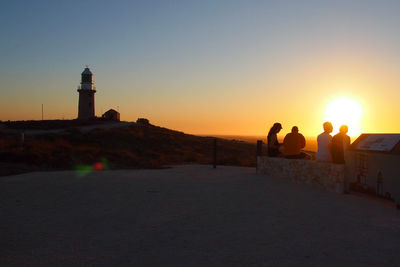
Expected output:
{"points": [[98, 166], [84, 169]]}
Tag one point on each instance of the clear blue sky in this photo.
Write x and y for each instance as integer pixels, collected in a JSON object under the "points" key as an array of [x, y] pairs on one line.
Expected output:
{"points": [[196, 65]]}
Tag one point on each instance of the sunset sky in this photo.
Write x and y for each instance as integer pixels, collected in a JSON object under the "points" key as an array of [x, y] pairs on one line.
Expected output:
{"points": [[204, 67]]}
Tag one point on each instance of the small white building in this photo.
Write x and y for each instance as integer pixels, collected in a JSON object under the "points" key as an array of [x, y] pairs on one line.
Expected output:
{"points": [[111, 115], [373, 165]]}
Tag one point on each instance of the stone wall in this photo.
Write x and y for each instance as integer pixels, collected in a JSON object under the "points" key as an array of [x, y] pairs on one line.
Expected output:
{"points": [[328, 176]]}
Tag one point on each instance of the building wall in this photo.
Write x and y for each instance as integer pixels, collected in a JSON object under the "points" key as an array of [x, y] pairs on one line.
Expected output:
{"points": [[366, 167], [114, 116], [328, 176], [377, 173]]}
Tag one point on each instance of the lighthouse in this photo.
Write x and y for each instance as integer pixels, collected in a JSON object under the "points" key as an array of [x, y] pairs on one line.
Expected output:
{"points": [[86, 96]]}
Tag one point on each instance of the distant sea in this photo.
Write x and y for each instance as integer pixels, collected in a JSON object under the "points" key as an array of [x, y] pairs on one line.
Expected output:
{"points": [[311, 142]]}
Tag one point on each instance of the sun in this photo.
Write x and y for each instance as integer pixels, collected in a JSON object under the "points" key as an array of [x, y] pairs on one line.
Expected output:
{"points": [[346, 111]]}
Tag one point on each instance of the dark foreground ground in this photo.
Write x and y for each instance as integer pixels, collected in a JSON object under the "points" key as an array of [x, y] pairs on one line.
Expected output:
{"points": [[188, 216]]}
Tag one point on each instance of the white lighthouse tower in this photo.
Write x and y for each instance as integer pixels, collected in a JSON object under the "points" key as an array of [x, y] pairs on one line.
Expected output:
{"points": [[86, 96]]}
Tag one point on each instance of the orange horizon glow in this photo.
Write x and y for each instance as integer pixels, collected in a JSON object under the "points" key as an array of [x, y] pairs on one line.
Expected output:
{"points": [[238, 107]]}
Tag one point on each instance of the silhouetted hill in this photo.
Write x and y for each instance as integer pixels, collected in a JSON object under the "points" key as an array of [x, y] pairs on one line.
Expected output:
{"points": [[136, 146], [52, 124]]}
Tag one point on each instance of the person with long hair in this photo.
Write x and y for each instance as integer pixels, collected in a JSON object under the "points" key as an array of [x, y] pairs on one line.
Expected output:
{"points": [[272, 140]]}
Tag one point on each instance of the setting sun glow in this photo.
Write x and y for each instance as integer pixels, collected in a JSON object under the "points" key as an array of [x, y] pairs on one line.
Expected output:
{"points": [[346, 111]]}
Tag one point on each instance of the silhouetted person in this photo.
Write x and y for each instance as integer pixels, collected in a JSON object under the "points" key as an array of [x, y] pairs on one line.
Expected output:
{"points": [[340, 143], [293, 143], [324, 143], [272, 140]]}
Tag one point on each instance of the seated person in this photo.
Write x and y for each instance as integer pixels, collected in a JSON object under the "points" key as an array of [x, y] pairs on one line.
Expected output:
{"points": [[324, 144], [272, 139], [340, 143], [293, 143]]}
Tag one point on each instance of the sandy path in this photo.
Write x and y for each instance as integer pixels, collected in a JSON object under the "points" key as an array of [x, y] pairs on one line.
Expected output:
{"points": [[188, 215]]}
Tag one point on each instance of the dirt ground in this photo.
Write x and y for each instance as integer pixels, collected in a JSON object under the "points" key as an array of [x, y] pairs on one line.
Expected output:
{"points": [[188, 216], [7, 168]]}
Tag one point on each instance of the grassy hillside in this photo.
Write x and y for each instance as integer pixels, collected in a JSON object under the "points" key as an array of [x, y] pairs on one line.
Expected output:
{"points": [[137, 146], [52, 124]]}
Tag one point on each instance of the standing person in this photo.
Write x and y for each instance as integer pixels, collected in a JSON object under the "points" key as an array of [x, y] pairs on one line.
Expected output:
{"points": [[324, 141], [340, 143], [272, 139], [293, 143]]}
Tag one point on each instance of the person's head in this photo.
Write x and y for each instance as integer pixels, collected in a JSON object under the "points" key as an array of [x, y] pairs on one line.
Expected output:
{"points": [[328, 128], [275, 128], [343, 129], [295, 129]]}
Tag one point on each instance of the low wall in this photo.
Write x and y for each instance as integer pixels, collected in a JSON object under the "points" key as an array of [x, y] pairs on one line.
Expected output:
{"points": [[328, 176]]}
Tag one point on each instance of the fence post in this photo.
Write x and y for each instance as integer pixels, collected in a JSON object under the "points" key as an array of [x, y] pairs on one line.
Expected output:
{"points": [[22, 140], [259, 152], [215, 153]]}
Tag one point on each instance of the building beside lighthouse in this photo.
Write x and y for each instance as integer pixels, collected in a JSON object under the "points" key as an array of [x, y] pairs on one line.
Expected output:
{"points": [[86, 96]]}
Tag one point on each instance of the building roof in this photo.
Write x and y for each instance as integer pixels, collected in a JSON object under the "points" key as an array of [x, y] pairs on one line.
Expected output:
{"points": [[384, 143], [111, 111], [87, 71]]}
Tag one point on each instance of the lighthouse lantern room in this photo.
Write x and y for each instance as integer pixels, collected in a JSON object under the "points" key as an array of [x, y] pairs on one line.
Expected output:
{"points": [[86, 96]]}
